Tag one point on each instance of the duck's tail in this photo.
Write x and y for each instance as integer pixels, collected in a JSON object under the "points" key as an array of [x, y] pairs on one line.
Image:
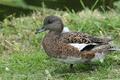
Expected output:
{"points": [[114, 49]]}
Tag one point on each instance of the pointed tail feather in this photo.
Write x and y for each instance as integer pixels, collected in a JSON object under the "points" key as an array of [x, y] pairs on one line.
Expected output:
{"points": [[114, 49]]}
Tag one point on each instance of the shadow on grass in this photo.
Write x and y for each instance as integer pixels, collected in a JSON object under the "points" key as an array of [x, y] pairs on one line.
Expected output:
{"points": [[77, 68]]}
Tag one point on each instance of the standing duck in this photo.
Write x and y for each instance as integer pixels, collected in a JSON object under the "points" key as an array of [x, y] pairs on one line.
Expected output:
{"points": [[72, 47]]}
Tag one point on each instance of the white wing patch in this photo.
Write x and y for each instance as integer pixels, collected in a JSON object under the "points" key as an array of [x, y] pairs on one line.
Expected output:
{"points": [[79, 46], [65, 29]]}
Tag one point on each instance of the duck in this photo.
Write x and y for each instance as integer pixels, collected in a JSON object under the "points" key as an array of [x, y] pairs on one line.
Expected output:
{"points": [[72, 47]]}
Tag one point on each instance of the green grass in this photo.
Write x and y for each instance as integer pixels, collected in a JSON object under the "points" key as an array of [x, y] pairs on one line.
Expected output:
{"points": [[22, 57]]}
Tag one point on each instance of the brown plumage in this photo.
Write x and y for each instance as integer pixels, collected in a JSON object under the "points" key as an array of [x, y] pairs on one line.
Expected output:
{"points": [[77, 37], [71, 47]]}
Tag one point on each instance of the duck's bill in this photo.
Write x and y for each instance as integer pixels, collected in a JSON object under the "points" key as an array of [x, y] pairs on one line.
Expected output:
{"points": [[39, 30]]}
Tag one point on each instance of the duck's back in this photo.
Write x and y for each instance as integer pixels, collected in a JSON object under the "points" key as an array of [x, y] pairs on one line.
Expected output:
{"points": [[78, 37]]}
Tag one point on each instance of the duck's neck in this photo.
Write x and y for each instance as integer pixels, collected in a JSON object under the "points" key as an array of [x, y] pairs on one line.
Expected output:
{"points": [[54, 33]]}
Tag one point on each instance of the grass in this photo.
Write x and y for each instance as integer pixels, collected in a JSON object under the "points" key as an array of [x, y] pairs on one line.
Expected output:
{"points": [[22, 57]]}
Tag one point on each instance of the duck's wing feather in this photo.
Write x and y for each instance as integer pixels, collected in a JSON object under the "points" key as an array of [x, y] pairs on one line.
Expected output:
{"points": [[81, 41], [77, 37]]}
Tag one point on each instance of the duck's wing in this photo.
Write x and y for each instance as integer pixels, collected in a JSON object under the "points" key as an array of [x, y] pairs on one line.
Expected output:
{"points": [[83, 41], [77, 37]]}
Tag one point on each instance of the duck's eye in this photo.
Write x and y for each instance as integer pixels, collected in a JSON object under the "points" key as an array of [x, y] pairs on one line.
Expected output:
{"points": [[50, 21]]}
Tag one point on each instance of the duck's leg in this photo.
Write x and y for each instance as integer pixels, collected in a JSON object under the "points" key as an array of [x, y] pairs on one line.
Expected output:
{"points": [[71, 66], [91, 66]]}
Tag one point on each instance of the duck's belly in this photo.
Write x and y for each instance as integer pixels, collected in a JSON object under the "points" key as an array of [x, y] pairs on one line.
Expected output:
{"points": [[73, 60]]}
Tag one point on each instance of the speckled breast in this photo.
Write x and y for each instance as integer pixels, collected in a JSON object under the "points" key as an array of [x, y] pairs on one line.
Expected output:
{"points": [[55, 47]]}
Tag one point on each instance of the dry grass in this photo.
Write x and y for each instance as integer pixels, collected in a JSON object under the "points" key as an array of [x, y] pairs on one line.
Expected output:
{"points": [[22, 58]]}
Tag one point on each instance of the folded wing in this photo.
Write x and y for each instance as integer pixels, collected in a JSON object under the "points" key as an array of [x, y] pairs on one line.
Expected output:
{"points": [[83, 42]]}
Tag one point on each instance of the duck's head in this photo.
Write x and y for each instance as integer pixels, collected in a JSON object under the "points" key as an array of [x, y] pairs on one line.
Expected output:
{"points": [[51, 23]]}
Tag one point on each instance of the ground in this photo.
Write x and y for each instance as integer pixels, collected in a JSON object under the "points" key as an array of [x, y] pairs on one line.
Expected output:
{"points": [[23, 58]]}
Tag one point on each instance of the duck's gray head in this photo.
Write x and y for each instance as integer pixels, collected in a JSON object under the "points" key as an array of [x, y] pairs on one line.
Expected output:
{"points": [[51, 23]]}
